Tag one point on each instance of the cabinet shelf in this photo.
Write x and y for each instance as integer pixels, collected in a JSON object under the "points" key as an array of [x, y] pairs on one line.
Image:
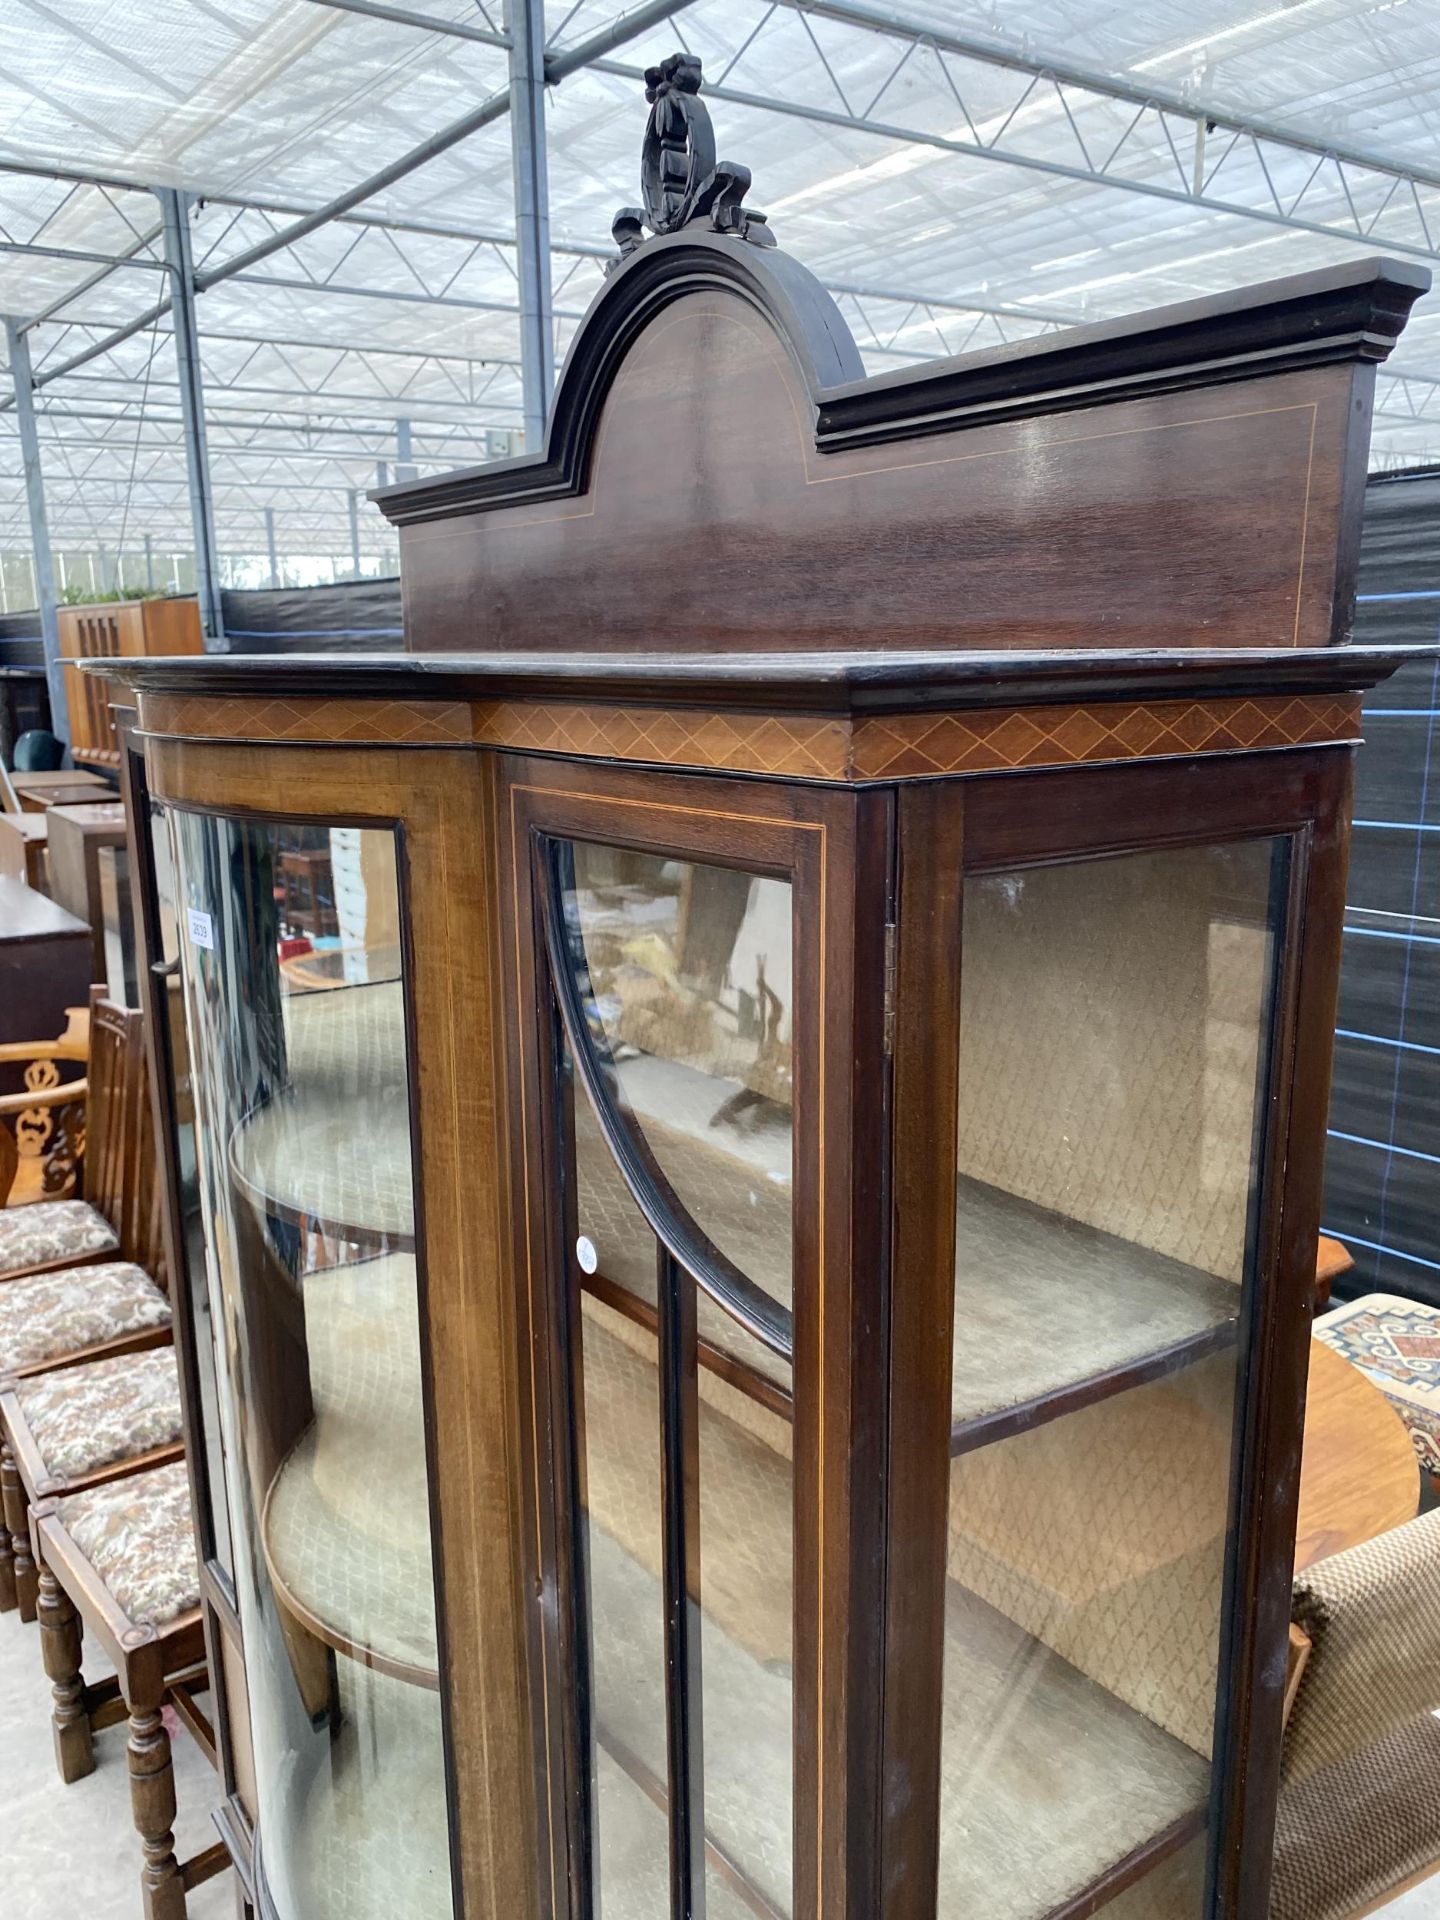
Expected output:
{"points": [[345, 1522], [1051, 1314], [1081, 1786], [332, 1147]]}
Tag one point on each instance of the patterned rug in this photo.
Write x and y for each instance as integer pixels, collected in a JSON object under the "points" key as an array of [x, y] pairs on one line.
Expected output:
{"points": [[1396, 1344]]}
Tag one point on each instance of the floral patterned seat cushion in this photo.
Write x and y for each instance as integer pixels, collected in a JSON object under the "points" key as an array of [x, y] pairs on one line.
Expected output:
{"points": [[52, 1230], [138, 1536], [48, 1315], [88, 1417]]}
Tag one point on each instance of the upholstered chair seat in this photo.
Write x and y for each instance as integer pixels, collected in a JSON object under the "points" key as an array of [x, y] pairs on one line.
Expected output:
{"points": [[1359, 1816], [86, 1418], [46, 1316], [138, 1535], [50, 1231]]}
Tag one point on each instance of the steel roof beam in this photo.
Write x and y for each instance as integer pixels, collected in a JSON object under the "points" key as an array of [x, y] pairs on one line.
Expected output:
{"points": [[557, 66], [44, 575], [994, 53], [1053, 169], [185, 330], [403, 17], [530, 183]]}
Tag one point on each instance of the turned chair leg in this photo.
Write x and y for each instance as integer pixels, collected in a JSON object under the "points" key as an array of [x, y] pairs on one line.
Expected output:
{"points": [[9, 1600], [16, 1528], [152, 1799], [60, 1648]]}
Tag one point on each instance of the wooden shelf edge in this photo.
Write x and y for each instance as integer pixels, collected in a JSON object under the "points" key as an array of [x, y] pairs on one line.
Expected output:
{"points": [[1004, 1422], [393, 1666], [1135, 1865]]}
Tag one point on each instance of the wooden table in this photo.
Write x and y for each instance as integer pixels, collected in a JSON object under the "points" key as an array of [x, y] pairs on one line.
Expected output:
{"points": [[77, 835], [24, 838], [1360, 1476], [66, 786]]}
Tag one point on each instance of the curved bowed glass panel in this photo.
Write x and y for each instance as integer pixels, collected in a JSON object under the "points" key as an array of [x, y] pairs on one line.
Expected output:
{"points": [[676, 984], [675, 978], [296, 1006]]}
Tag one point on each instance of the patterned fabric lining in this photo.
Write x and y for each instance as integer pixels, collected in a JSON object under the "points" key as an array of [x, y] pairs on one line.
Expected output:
{"points": [[52, 1314], [348, 1084], [37, 1236], [139, 1537], [85, 1418], [347, 1523], [1396, 1344]]}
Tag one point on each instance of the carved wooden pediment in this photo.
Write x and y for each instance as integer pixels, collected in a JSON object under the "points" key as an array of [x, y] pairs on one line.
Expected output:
{"points": [[719, 473]]}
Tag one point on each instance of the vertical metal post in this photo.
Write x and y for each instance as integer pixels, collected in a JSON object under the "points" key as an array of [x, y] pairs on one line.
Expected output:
{"points": [[19, 353], [354, 503], [270, 546], [525, 22], [150, 561], [382, 473], [175, 206], [404, 467]]}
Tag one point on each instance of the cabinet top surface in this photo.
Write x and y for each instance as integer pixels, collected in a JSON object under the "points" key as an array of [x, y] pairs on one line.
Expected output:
{"points": [[810, 681]]}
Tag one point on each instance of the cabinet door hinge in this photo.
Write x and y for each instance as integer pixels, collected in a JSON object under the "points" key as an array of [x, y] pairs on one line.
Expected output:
{"points": [[891, 942]]}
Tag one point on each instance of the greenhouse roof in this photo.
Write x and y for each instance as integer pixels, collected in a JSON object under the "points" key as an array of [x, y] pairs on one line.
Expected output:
{"points": [[957, 174]]}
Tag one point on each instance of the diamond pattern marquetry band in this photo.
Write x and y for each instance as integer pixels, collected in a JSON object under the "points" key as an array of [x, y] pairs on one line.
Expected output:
{"points": [[795, 746], [903, 746]]}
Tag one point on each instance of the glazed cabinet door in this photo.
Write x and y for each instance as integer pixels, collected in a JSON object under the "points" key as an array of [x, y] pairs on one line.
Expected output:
{"points": [[351, 1241], [1115, 993], [697, 1199]]}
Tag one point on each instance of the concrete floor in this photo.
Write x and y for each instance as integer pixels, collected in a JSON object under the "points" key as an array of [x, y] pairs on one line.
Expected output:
{"points": [[71, 1853]]}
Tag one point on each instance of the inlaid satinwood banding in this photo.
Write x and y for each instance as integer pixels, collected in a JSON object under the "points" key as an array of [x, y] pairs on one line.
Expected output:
{"points": [[901, 746]]}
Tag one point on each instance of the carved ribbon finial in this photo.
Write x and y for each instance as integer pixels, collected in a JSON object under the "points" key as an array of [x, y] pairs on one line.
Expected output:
{"points": [[679, 175]]}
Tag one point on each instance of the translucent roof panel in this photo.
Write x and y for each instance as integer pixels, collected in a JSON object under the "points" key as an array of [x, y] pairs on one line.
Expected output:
{"points": [[958, 174]]}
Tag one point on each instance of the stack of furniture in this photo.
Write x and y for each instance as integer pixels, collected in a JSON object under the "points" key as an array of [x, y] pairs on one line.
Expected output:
{"points": [[761, 1341]]}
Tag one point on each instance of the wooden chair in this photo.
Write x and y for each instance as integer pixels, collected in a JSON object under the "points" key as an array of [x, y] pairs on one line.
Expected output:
{"points": [[79, 1427], [38, 1153], [121, 1557], [1332, 1262], [89, 1282], [107, 1148]]}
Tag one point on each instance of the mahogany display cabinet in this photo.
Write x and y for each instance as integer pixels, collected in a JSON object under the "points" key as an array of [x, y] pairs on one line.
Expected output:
{"points": [[760, 1263]]}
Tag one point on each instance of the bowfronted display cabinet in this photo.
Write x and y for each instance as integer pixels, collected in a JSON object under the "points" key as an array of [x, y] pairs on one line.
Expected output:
{"points": [[759, 1102]]}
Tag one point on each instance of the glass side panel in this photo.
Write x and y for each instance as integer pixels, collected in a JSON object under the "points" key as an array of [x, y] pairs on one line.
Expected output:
{"points": [[176, 1050], [684, 972], [685, 975], [296, 1011], [1115, 1020]]}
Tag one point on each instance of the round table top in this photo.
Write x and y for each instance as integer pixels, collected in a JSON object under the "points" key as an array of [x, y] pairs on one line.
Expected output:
{"points": [[1359, 1476]]}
